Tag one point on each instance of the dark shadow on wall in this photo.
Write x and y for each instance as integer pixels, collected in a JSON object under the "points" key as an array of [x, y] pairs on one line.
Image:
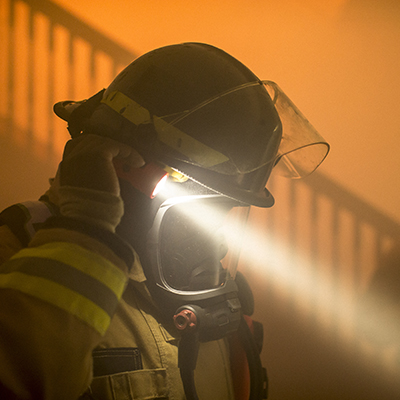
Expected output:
{"points": [[382, 302]]}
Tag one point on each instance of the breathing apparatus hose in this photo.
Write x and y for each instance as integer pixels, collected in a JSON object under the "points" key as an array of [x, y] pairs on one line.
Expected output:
{"points": [[187, 359], [258, 374]]}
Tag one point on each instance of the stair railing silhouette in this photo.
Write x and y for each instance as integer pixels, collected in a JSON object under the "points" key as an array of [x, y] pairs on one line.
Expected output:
{"points": [[50, 55]]}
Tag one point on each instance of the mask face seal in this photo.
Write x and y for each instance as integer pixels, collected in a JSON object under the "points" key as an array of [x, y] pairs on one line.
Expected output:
{"points": [[189, 247], [190, 260]]}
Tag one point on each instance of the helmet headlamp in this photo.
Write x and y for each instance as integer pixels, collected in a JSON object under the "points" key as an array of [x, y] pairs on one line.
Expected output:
{"points": [[149, 179]]}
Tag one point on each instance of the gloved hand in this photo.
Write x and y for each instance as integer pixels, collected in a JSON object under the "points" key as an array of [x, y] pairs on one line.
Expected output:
{"points": [[87, 162], [86, 186]]}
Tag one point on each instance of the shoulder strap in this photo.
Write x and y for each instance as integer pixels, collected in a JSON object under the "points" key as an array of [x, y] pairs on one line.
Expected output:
{"points": [[249, 376]]}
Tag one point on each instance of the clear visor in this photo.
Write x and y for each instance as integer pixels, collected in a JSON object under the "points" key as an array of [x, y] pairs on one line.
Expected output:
{"points": [[302, 148], [233, 133], [239, 131], [199, 244]]}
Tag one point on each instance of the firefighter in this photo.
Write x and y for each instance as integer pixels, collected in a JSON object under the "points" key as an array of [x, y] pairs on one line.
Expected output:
{"points": [[109, 291]]}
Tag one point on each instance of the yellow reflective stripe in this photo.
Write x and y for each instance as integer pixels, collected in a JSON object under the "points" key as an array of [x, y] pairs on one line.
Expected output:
{"points": [[67, 276], [167, 133], [81, 259], [127, 107], [59, 296]]}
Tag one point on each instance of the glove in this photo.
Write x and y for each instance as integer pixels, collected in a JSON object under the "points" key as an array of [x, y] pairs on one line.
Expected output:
{"points": [[86, 186]]}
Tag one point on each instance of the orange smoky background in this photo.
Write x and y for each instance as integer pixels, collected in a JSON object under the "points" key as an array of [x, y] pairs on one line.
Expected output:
{"points": [[324, 261]]}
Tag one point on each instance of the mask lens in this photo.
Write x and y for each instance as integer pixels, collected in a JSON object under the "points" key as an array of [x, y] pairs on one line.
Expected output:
{"points": [[192, 245]]}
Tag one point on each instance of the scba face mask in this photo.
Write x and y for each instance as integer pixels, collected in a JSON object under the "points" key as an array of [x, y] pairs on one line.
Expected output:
{"points": [[191, 259], [194, 246], [189, 236]]}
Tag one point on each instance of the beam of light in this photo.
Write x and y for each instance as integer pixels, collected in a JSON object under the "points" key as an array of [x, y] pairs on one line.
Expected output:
{"points": [[293, 273], [314, 288], [371, 322]]}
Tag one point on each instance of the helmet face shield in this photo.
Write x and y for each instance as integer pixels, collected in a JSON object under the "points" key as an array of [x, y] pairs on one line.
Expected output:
{"points": [[189, 243], [302, 148], [223, 121]]}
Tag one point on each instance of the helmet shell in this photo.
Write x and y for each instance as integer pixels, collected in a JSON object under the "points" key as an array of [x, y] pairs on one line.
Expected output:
{"points": [[200, 111]]}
